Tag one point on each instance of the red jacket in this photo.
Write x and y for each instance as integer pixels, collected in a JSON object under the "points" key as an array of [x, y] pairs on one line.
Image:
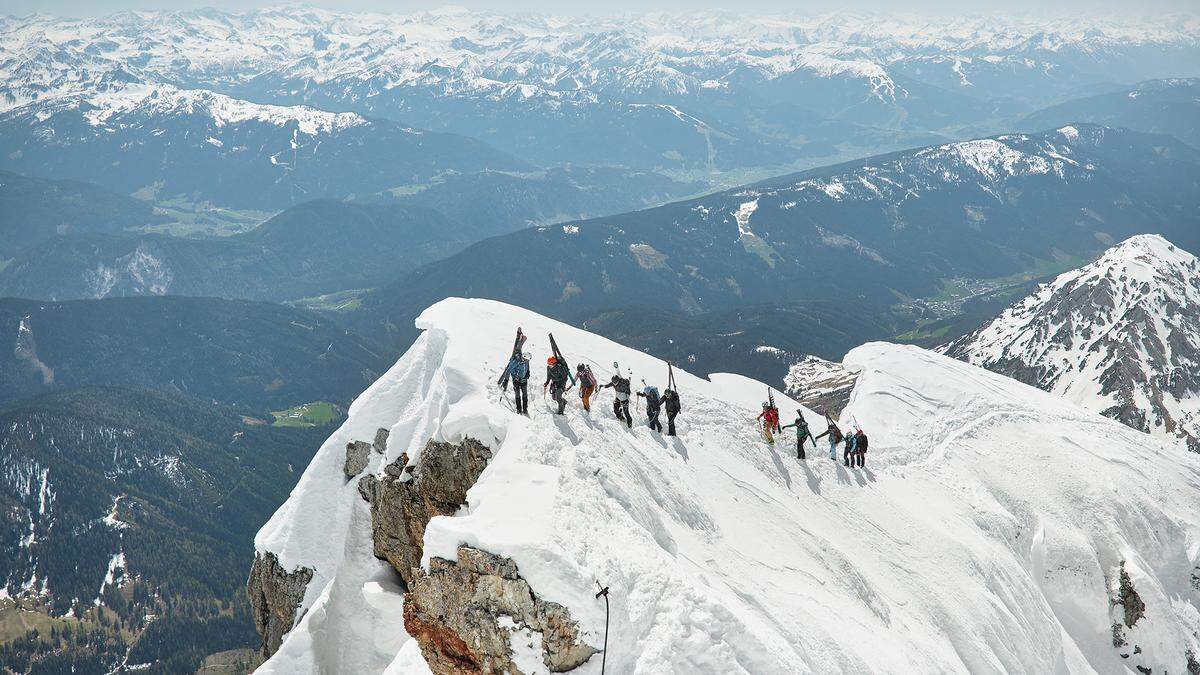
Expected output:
{"points": [[771, 416]]}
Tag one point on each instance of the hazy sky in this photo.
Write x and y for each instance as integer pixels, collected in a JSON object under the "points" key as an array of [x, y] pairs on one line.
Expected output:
{"points": [[93, 7]]}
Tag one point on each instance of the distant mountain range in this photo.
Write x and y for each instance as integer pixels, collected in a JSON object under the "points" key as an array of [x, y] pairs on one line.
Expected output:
{"points": [[879, 230], [314, 248], [1120, 336], [164, 142], [688, 91], [1157, 106]]}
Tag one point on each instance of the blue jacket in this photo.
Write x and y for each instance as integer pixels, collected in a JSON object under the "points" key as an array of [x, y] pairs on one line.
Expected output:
{"points": [[518, 369]]}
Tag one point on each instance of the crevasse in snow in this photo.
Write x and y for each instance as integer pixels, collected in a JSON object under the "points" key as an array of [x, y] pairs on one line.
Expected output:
{"points": [[986, 532]]}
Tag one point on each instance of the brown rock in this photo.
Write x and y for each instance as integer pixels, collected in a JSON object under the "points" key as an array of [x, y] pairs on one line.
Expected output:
{"points": [[453, 612], [404, 503], [357, 457], [275, 595]]}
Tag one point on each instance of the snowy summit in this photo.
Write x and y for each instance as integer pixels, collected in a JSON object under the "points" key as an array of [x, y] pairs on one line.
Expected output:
{"points": [[995, 527], [1120, 336]]}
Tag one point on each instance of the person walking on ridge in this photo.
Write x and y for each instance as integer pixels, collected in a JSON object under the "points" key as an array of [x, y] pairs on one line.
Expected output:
{"points": [[802, 434], [770, 421], [653, 403], [587, 385], [557, 374], [848, 450], [835, 437], [620, 385], [860, 448], [518, 373], [670, 399]]}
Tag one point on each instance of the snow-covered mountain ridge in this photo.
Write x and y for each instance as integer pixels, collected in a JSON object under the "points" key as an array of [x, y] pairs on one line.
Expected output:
{"points": [[486, 51], [1120, 336], [995, 527], [167, 101], [703, 89]]}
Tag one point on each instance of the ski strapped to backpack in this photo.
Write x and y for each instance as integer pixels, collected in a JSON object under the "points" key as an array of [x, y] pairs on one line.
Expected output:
{"points": [[518, 343], [559, 357], [772, 406]]}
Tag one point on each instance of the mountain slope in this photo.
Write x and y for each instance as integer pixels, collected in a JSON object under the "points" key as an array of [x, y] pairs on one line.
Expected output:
{"points": [[34, 209], [167, 142], [251, 355], [964, 545], [1120, 336], [320, 246], [1157, 106], [136, 505], [878, 230]]}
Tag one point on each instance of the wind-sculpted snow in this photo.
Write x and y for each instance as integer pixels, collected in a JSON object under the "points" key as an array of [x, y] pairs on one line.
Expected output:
{"points": [[1120, 336], [987, 532]]}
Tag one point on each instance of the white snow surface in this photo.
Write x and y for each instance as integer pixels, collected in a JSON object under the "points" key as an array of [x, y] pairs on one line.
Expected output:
{"points": [[985, 534]]}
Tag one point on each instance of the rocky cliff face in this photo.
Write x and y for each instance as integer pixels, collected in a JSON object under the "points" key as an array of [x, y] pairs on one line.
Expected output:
{"points": [[1120, 336], [406, 498], [821, 385], [477, 615], [275, 595]]}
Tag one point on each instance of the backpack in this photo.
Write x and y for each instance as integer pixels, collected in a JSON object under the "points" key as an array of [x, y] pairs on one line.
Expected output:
{"points": [[652, 398], [671, 401], [862, 442], [835, 434], [622, 385], [586, 379], [559, 373], [520, 370]]}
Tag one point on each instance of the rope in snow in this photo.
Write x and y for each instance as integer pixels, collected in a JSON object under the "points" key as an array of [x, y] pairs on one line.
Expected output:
{"points": [[604, 653]]}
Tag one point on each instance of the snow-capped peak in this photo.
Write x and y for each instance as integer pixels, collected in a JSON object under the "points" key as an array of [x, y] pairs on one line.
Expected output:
{"points": [[994, 527], [166, 100], [1120, 336]]}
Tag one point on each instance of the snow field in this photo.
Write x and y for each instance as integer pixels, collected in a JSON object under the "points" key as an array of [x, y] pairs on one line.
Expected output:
{"points": [[984, 534]]}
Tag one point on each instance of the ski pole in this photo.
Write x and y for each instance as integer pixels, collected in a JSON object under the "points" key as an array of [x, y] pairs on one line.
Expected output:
{"points": [[604, 652]]}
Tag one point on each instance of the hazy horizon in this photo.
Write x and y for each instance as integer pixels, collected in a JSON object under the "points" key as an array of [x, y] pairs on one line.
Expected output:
{"points": [[70, 8]]}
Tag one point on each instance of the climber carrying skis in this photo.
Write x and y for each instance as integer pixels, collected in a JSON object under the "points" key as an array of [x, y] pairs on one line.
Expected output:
{"points": [[770, 421], [860, 449], [834, 434], [517, 370], [557, 373], [802, 434], [849, 449], [587, 385], [670, 400], [653, 403], [620, 385]]}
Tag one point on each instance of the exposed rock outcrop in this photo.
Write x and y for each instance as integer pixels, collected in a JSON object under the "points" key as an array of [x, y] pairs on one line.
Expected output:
{"points": [[821, 385], [464, 614], [357, 457], [381, 438], [405, 499], [275, 595], [1129, 599]]}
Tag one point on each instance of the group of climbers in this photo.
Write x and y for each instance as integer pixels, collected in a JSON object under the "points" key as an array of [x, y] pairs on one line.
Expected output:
{"points": [[559, 381], [855, 444]]}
